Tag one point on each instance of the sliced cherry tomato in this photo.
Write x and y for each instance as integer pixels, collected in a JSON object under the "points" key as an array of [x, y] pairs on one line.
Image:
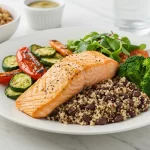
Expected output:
{"points": [[5, 77], [29, 64], [133, 53], [123, 57], [139, 53]]}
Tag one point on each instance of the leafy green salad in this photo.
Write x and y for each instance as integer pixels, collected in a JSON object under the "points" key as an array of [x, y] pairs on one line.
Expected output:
{"points": [[110, 44]]}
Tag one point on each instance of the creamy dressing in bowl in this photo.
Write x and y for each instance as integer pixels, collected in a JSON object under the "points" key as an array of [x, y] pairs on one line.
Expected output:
{"points": [[44, 4]]}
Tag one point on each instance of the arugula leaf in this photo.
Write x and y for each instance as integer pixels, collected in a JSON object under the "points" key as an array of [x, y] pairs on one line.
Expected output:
{"points": [[89, 36], [115, 36], [72, 45], [126, 44], [125, 40], [134, 47], [93, 46], [114, 44], [115, 55], [96, 37], [82, 47], [76, 43], [105, 51], [104, 43], [142, 46], [70, 42], [125, 51]]}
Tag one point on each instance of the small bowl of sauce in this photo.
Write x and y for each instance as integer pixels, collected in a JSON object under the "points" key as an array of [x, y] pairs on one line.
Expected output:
{"points": [[44, 4], [45, 14]]}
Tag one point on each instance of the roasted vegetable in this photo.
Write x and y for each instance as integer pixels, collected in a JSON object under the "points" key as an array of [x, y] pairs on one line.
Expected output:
{"points": [[10, 63], [43, 52], [29, 64], [49, 61], [34, 47], [62, 49], [139, 52], [20, 82], [5, 77], [12, 94], [58, 56]]}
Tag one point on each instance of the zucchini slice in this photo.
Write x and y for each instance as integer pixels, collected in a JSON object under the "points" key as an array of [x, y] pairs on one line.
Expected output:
{"points": [[10, 63], [20, 82], [58, 56], [12, 94], [34, 47], [44, 52], [49, 61]]}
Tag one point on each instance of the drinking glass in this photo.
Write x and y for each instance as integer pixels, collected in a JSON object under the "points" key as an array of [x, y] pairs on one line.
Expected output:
{"points": [[133, 15]]}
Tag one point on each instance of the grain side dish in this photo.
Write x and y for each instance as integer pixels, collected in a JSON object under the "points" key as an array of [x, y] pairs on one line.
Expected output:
{"points": [[110, 101], [5, 16]]}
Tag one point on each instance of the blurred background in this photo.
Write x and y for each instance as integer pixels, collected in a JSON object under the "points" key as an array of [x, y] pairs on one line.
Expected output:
{"points": [[97, 13], [92, 13]]}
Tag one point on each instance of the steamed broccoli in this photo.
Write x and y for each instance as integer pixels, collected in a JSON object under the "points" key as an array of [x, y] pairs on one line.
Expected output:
{"points": [[145, 83], [133, 69], [146, 63], [137, 70]]}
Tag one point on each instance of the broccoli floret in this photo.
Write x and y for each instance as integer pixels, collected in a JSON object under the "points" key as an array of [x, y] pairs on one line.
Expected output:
{"points": [[146, 63], [133, 69], [135, 58], [137, 70], [122, 70], [145, 83]]}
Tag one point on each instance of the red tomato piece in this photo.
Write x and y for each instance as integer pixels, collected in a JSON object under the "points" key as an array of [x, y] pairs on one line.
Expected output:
{"points": [[5, 77], [123, 57], [29, 64], [139, 53]]}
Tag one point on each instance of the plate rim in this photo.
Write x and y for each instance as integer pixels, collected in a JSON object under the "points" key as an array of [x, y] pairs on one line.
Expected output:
{"points": [[74, 132]]}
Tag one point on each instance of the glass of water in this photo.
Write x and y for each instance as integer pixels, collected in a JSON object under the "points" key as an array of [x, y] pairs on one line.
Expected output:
{"points": [[133, 15]]}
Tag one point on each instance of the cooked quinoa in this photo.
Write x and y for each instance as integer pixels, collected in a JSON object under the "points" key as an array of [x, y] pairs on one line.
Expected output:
{"points": [[106, 102]]}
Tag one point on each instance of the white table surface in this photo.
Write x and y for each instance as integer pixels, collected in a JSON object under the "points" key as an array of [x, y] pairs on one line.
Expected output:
{"points": [[15, 137]]}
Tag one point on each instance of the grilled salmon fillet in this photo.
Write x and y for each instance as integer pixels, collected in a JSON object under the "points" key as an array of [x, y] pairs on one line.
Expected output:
{"points": [[64, 80]]}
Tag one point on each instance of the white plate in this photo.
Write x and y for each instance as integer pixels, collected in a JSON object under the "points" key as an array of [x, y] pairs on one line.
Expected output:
{"points": [[7, 106]]}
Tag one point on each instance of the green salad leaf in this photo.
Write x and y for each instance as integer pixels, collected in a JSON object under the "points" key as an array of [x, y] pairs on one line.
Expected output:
{"points": [[113, 43], [110, 44], [82, 46], [125, 51]]}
